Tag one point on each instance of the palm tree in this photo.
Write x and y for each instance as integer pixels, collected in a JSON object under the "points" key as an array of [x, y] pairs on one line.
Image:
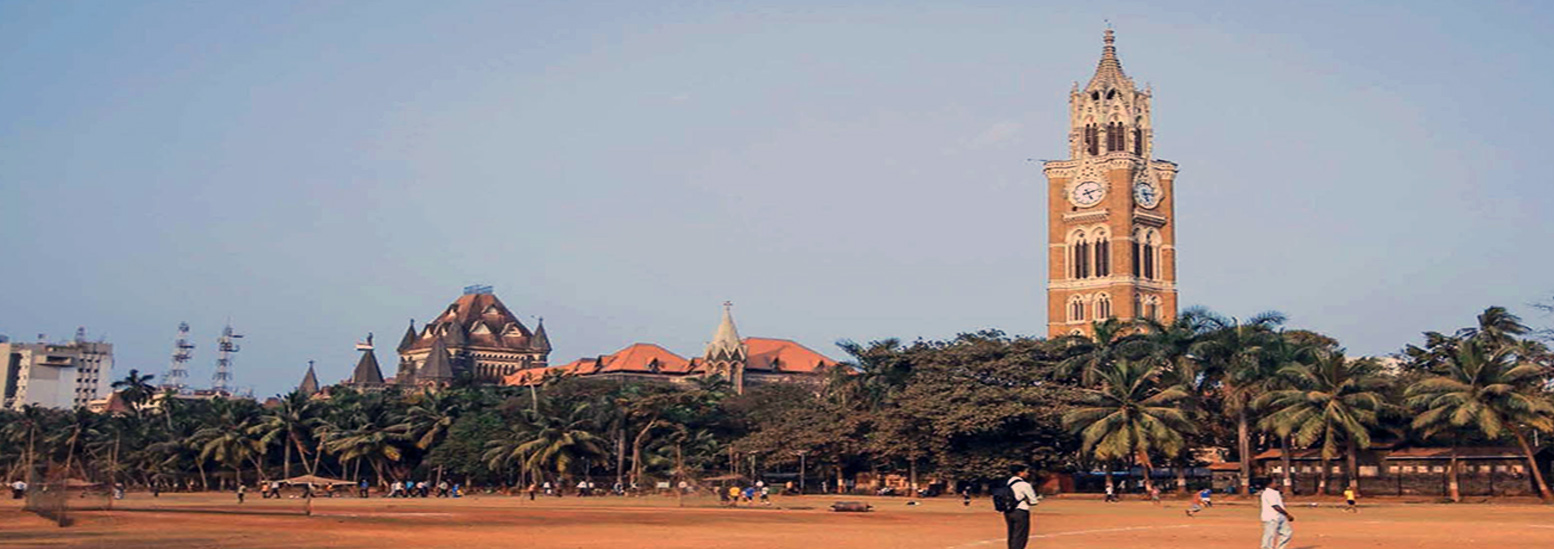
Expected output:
{"points": [[227, 439], [368, 430], [24, 430], [73, 438], [1233, 354], [1131, 415], [1170, 346], [1489, 389], [135, 389], [1333, 399], [549, 443], [430, 416], [289, 423], [1112, 340]]}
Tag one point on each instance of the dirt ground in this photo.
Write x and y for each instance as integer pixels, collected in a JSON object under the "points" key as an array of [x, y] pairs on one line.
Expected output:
{"points": [[214, 520]]}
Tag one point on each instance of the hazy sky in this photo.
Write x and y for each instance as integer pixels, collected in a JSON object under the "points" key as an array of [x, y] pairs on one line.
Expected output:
{"points": [[315, 171]]}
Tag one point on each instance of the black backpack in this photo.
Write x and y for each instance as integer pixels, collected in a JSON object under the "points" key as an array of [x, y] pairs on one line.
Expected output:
{"points": [[1003, 497]]}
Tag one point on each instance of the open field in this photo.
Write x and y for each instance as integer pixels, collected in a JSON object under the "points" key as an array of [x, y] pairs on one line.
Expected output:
{"points": [[210, 520]]}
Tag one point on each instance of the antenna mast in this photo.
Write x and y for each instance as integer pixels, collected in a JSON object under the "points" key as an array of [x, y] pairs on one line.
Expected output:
{"points": [[178, 374], [226, 344]]}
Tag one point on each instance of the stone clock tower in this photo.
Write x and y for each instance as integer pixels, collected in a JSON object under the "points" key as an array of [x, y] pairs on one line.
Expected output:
{"points": [[1111, 235]]}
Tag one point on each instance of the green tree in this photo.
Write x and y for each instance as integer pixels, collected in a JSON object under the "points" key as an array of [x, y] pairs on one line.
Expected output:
{"points": [[1130, 415], [290, 423], [135, 389], [1233, 356], [1332, 401]]}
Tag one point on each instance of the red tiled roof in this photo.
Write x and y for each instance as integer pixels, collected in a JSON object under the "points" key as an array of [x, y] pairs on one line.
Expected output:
{"points": [[781, 355], [1275, 453], [645, 358], [1225, 466]]}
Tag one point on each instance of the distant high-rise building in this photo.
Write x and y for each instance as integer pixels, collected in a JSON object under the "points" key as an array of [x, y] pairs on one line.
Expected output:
{"points": [[55, 375]]}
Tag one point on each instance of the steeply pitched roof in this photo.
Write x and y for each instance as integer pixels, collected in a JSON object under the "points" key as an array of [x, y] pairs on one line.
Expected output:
{"points": [[309, 384], [409, 339], [540, 342], [1108, 72], [436, 367], [781, 355], [458, 324], [725, 341], [367, 370]]}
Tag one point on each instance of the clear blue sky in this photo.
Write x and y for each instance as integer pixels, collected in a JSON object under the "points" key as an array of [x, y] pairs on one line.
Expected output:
{"points": [[318, 170]]}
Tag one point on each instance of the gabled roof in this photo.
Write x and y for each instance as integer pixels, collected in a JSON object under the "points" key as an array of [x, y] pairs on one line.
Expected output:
{"points": [[540, 342], [309, 384], [458, 321], [640, 358], [781, 355], [367, 370], [436, 366]]}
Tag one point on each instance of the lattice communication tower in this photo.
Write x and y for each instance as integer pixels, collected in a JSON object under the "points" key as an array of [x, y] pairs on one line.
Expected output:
{"points": [[177, 377], [226, 345]]}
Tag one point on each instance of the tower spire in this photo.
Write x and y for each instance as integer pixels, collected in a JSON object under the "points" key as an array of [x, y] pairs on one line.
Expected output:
{"points": [[1108, 73]]}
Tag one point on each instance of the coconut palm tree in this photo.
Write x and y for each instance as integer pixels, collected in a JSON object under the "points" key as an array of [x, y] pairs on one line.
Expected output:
{"points": [[369, 430], [24, 430], [135, 389], [289, 423], [1131, 415], [1333, 400], [1112, 340], [1233, 357], [558, 444], [1488, 389], [227, 437]]}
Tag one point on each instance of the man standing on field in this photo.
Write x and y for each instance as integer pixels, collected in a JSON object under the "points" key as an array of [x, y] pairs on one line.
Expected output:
{"points": [[1276, 520], [1018, 520]]}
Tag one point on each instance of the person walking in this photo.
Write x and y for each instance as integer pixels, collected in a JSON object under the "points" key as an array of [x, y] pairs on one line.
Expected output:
{"points": [[362, 488], [1111, 494], [531, 491], [965, 496], [1017, 517], [242, 490], [1350, 496], [1276, 520], [442, 489]]}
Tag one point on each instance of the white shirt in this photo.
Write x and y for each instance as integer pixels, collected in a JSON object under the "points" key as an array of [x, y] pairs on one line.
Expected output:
{"points": [[1023, 492], [1270, 498]]}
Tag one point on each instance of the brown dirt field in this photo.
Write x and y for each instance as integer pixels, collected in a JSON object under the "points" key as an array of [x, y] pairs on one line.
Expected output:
{"points": [[214, 520]]}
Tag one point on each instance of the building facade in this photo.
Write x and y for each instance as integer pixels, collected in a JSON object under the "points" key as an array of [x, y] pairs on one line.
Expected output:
{"points": [[1111, 231], [744, 362], [55, 375], [475, 335]]}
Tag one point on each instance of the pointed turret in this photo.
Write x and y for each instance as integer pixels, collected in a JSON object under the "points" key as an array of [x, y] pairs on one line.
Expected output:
{"points": [[455, 335], [540, 342], [1108, 73], [309, 384], [437, 368], [367, 371], [409, 339], [725, 342]]}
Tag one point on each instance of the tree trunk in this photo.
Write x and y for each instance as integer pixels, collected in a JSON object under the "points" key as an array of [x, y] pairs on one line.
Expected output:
{"points": [[679, 474], [1354, 467], [636, 449], [1244, 441], [1289, 471], [1181, 479], [204, 483], [1453, 487], [1149, 481], [620, 455], [302, 452], [1322, 476], [1532, 462], [286, 463]]}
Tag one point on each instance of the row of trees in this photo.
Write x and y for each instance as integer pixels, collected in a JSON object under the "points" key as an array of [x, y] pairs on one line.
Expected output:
{"points": [[1130, 395]]}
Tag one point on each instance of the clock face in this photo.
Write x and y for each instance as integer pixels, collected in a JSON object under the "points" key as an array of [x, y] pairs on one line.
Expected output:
{"points": [[1146, 194], [1086, 194]]}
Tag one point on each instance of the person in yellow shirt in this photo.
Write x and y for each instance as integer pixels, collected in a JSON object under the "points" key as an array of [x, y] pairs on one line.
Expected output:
{"points": [[1349, 496]]}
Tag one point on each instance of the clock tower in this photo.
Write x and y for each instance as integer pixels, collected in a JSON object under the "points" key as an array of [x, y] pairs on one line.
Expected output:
{"points": [[1111, 234]]}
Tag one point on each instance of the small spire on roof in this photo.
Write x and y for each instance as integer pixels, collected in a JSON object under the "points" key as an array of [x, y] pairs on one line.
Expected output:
{"points": [[1108, 73], [540, 342], [409, 339], [725, 341], [309, 384]]}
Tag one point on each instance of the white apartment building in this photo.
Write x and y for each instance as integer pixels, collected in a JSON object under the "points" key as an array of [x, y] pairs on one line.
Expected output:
{"points": [[55, 375]]}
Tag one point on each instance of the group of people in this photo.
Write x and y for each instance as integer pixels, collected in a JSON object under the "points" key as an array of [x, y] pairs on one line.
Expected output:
{"points": [[422, 489], [734, 495]]}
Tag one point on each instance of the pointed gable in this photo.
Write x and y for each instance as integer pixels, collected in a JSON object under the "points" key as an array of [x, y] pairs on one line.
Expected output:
{"points": [[476, 320], [437, 367], [409, 339], [367, 371], [725, 341], [540, 342]]}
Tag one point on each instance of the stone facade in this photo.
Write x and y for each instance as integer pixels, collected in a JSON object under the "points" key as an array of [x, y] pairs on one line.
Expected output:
{"points": [[1111, 229], [475, 335]]}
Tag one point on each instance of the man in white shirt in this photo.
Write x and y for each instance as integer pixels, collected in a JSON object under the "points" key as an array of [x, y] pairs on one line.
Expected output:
{"points": [[1276, 520], [1018, 520]]}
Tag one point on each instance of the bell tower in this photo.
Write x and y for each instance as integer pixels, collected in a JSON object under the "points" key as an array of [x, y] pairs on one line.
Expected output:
{"points": [[1111, 238]]}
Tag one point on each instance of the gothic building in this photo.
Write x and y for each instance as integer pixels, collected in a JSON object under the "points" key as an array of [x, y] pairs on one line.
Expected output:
{"points": [[476, 335], [1111, 234], [744, 362]]}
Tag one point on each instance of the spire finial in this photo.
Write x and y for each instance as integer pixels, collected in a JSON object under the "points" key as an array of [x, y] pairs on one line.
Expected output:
{"points": [[728, 305]]}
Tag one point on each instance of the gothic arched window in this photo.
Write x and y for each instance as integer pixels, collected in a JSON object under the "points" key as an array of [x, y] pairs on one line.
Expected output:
{"points": [[1138, 255], [1092, 139], [1116, 139], [1138, 136], [1103, 307], [1152, 308], [1138, 306], [1076, 309], [1103, 258]]}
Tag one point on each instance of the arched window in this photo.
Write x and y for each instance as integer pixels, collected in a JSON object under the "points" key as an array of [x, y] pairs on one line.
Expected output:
{"points": [[1111, 94], [1092, 139], [1138, 306], [1079, 255], [1103, 257], [1138, 136], [1103, 307], [1076, 309], [1116, 139], [1151, 253], [1152, 308], [1138, 255]]}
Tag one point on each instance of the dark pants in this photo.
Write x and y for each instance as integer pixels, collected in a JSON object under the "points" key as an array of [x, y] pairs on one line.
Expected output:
{"points": [[1019, 523]]}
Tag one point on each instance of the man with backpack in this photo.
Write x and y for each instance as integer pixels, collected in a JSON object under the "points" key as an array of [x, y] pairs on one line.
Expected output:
{"points": [[1014, 500]]}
